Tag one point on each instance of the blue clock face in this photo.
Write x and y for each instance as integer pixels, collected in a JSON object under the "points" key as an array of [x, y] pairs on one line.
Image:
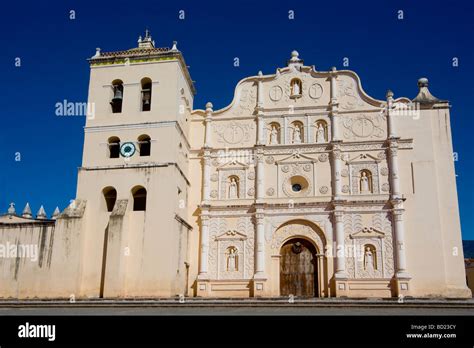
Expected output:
{"points": [[127, 149]]}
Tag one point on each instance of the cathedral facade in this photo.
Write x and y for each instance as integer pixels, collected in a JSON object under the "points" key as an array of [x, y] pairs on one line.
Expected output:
{"points": [[303, 186]]}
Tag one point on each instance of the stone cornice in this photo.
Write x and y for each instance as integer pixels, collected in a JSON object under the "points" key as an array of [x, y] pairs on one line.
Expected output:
{"points": [[288, 149], [142, 56], [137, 165]]}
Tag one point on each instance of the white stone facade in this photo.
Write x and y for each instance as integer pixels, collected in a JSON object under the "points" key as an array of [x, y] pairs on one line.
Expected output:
{"points": [[299, 154]]}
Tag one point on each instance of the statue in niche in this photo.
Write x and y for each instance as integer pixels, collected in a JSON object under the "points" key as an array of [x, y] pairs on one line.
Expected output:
{"points": [[232, 260], [274, 136], [369, 260], [233, 189], [364, 183], [295, 88], [320, 134], [297, 135]]}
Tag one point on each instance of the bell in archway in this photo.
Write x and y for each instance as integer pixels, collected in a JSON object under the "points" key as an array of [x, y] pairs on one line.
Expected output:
{"points": [[118, 95], [146, 98]]}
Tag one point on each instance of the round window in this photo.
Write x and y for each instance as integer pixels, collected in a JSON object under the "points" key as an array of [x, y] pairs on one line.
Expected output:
{"points": [[296, 187]]}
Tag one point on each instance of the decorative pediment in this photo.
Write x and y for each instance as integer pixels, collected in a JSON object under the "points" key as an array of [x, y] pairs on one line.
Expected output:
{"points": [[233, 164], [363, 158], [368, 232], [295, 157], [231, 235]]}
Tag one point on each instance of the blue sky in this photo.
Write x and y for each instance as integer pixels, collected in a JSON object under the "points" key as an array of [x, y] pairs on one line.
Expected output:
{"points": [[386, 53]]}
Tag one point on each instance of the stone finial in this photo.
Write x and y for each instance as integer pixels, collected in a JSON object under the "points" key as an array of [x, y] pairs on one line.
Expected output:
{"points": [[389, 94], [294, 56], [97, 53], [147, 41], [424, 95], [295, 59], [11, 209], [175, 46], [56, 213], [423, 82], [27, 211], [209, 107], [260, 74], [333, 68], [41, 214]]}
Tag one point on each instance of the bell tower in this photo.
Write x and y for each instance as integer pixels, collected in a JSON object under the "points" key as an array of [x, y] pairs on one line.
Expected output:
{"points": [[134, 172]]}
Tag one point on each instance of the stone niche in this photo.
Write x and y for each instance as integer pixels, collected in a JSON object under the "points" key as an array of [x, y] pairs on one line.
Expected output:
{"points": [[231, 248]]}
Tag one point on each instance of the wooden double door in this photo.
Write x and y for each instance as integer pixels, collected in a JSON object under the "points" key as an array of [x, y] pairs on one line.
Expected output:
{"points": [[298, 269]]}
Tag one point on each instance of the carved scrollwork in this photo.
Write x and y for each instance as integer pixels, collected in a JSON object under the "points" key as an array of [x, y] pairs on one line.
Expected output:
{"points": [[233, 133], [247, 101], [270, 160], [363, 126]]}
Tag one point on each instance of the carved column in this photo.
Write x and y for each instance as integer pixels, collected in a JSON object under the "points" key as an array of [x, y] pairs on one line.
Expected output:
{"points": [[204, 257], [336, 171], [260, 175], [260, 127], [207, 130], [399, 231], [307, 133], [285, 130], [390, 126], [340, 245], [333, 110], [206, 176], [393, 163], [260, 247]]}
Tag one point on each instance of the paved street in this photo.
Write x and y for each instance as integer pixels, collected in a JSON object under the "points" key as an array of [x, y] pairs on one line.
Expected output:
{"points": [[270, 306], [235, 311]]}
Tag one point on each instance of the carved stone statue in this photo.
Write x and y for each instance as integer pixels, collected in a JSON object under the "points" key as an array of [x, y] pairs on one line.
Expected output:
{"points": [[320, 134], [297, 135], [368, 260], [364, 183], [232, 260], [274, 136], [295, 90], [233, 189]]}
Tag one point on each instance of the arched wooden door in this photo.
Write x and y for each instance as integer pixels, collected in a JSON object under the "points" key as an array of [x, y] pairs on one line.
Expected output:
{"points": [[298, 269]]}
